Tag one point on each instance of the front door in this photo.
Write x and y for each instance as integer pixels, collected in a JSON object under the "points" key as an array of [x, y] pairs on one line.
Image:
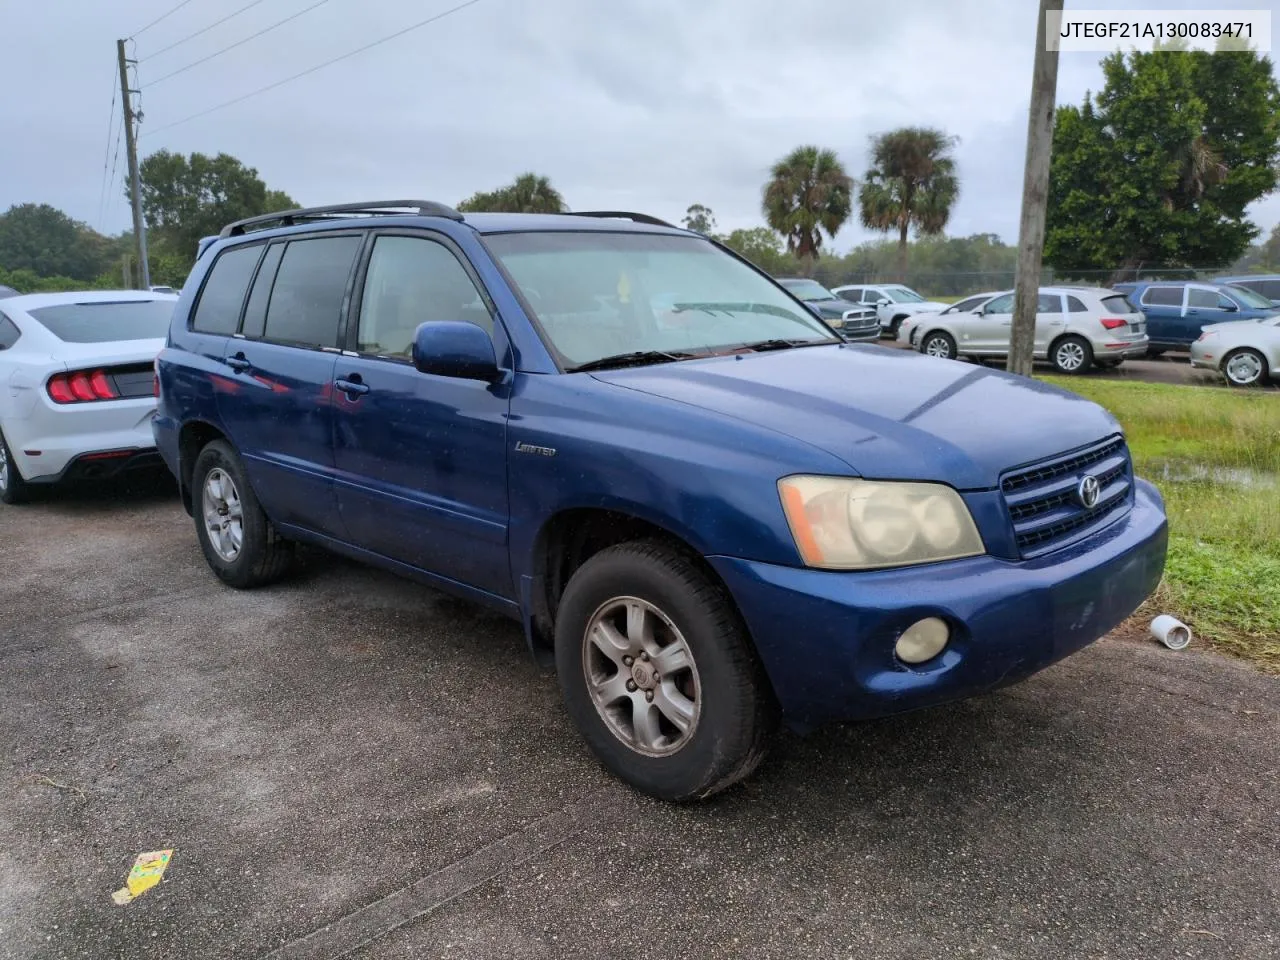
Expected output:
{"points": [[988, 331], [275, 397], [421, 460], [1205, 305]]}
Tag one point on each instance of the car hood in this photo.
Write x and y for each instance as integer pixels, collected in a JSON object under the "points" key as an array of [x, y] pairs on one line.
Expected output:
{"points": [[835, 304], [1244, 326], [913, 308], [887, 413]]}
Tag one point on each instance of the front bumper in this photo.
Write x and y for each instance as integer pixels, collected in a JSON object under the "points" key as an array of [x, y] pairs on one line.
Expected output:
{"points": [[860, 334], [826, 638]]}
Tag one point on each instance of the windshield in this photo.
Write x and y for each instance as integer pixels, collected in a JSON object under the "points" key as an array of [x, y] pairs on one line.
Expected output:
{"points": [[105, 322], [1250, 299], [808, 290], [599, 295], [903, 295]]}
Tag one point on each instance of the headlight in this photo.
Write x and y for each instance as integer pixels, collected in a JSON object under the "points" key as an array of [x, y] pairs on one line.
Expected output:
{"points": [[845, 524]]}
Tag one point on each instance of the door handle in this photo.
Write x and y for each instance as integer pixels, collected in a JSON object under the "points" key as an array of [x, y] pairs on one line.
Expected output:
{"points": [[353, 387], [238, 363]]}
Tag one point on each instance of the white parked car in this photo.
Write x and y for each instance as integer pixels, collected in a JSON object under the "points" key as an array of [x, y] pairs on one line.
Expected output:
{"points": [[79, 375], [1076, 327], [893, 302], [909, 329], [1246, 352]]}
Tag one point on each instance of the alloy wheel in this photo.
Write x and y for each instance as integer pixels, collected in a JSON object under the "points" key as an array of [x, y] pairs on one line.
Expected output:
{"points": [[1244, 369], [4, 467], [641, 676], [223, 514], [938, 347], [1070, 356]]}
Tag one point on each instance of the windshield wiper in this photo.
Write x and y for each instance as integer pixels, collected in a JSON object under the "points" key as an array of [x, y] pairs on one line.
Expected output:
{"points": [[779, 344], [636, 358]]}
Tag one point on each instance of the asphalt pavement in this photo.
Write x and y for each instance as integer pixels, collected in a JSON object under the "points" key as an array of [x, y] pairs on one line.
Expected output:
{"points": [[349, 764]]}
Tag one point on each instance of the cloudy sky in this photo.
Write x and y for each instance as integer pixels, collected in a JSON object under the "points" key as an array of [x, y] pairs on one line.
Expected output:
{"points": [[626, 104]]}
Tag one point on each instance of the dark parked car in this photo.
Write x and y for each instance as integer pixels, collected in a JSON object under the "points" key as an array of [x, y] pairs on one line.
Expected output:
{"points": [[708, 511], [853, 322], [1265, 285], [1177, 310]]}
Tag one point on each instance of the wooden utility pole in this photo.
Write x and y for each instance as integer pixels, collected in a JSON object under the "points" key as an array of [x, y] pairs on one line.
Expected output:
{"points": [[135, 190], [1035, 196]]}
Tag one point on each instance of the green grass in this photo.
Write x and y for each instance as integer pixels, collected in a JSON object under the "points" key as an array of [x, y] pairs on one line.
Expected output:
{"points": [[1215, 455]]}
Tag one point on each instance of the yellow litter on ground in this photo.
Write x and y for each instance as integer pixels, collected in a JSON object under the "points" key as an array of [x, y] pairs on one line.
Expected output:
{"points": [[146, 873]]}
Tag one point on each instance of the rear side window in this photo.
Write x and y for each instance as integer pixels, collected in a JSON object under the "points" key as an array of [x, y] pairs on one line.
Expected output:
{"points": [[255, 313], [107, 322], [223, 295], [1117, 304], [1048, 303], [306, 300], [1076, 305], [9, 333], [1163, 296]]}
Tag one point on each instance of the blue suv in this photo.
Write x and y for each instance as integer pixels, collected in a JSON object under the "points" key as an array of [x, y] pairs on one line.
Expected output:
{"points": [[1177, 310], [705, 508]]}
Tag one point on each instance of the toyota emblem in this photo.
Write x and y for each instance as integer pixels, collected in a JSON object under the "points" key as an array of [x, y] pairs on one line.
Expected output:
{"points": [[1088, 492]]}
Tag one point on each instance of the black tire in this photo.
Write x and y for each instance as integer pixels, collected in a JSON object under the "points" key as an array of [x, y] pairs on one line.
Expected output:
{"points": [[1256, 370], [1153, 352], [13, 488], [736, 710], [264, 556], [944, 345], [1071, 355], [894, 324]]}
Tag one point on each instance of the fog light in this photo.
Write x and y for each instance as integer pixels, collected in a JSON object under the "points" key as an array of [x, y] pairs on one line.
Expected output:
{"points": [[923, 640]]}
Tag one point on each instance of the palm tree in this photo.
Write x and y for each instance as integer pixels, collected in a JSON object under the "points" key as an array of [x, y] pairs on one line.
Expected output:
{"points": [[530, 193], [808, 192], [912, 183]]}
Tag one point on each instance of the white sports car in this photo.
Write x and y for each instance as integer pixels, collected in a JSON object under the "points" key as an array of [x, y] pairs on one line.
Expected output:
{"points": [[77, 385]]}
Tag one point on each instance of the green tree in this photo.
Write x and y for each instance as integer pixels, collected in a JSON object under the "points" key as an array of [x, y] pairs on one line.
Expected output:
{"points": [[186, 198], [1161, 165], [763, 247], [808, 192], [700, 219], [912, 183], [44, 240], [529, 193]]}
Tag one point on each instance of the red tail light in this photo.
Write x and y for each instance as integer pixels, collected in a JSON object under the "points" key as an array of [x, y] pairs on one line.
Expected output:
{"points": [[81, 387], [1114, 323]]}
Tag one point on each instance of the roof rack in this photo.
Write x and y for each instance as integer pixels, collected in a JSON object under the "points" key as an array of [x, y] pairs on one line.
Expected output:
{"points": [[287, 218], [624, 215]]}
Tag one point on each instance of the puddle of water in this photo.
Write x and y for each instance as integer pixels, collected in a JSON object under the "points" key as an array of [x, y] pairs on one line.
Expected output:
{"points": [[1180, 471]]}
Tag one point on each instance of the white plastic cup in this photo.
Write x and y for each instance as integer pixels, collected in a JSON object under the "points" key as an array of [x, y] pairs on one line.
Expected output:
{"points": [[1171, 631]]}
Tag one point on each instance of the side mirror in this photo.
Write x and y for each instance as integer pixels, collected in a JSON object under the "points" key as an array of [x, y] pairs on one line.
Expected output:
{"points": [[882, 302], [1230, 307], [816, 311], [455, 348]]}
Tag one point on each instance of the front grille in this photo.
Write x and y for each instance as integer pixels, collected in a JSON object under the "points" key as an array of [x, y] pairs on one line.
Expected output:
{"points": [[1044, 505]]}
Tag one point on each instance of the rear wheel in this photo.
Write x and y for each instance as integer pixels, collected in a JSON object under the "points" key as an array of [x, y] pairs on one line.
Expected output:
{"points": [[1072, 355], [13, 489], [658, 673], [1154, 352], [939, 344], [239, 542], [1244, 368]]}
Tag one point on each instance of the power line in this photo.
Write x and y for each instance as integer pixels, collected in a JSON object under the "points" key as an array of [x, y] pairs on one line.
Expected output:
{"points": [[106, 153], [216, 23], [321, 66], [253, 36], [163, 16], [111, 182]]}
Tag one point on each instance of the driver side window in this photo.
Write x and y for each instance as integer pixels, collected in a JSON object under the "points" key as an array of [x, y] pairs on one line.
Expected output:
{"points": [[1002, 304], [411, 281]]}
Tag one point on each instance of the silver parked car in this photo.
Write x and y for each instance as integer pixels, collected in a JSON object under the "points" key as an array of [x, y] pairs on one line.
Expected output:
{"points": [[1246, 352], [909, 329], [1076, 327]]}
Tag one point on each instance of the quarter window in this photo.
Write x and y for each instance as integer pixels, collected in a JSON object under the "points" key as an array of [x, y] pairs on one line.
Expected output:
{"points": [[219, 308], [1163, 296], [411, 281], [306, 300], [1076, 305], [9, 332]]}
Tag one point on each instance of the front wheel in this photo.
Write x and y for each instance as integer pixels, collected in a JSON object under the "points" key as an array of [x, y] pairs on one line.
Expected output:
{"points": [[658, 674], [1072, 355], [1244, 368], [939, 344], [239, 542], [13, 489]]}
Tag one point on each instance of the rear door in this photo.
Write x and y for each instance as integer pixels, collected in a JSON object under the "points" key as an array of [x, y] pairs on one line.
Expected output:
{"points": [[276, 398], [1051, 320], [1162, 303], [421, 459]]}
